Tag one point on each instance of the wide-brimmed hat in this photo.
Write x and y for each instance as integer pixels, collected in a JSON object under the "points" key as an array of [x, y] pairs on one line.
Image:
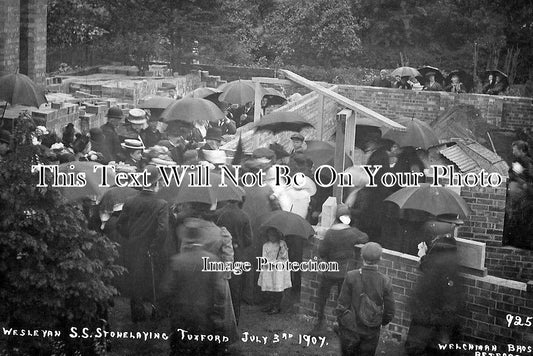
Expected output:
{"points": [[213, 133], [298, 137], [156, 151], [137, 116], [162, 161], [263, 152], [428, 74], [115, 113], [132, 144], [215, 156]]}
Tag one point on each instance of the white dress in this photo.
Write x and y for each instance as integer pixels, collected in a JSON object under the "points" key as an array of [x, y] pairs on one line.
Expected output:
{"points": [[275, 281]]}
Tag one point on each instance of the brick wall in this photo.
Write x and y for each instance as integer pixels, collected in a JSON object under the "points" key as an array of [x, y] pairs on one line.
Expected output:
{"points": [[485, 224], [504, 111], [488, 300], [9, 35], [32, 55]]}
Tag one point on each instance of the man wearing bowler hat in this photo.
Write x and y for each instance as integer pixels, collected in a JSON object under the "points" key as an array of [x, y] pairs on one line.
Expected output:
{"points": [[144, 225], [358, 336], [111, 140]]}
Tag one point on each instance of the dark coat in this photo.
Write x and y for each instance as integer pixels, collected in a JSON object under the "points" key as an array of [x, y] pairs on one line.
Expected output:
{"points": [[338, 246], [454, 89], [144, 224], [238, 224], [112, 141], [377, 286], [150, 138], [196, 299], [383, 83], [434, 87]]}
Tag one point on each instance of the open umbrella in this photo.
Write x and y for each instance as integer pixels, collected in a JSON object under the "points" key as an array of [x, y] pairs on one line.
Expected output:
{"points": [[157, 102], [239, 92], [439, 78], [496, 72], [288, 224], [204, 93], [274, 97], [405, 72], [20, 89], [464, 77], [192, 109], [93, 179], [280, 121], [434, 200], [418, 134]]}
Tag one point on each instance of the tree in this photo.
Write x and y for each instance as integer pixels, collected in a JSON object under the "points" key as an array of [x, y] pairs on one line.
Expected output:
{"points": [[313, 32], [54, 272]]}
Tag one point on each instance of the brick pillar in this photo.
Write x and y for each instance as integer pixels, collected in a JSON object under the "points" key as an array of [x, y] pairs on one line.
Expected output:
{"points": [[32, 56], [9, 35]]}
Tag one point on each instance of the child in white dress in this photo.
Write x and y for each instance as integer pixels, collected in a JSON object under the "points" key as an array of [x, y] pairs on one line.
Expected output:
{"points": [[276, 281]]}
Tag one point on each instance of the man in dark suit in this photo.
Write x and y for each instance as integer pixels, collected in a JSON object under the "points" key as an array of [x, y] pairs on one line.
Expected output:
{"points": [[144, 224], [382, 81], [112, 141]]}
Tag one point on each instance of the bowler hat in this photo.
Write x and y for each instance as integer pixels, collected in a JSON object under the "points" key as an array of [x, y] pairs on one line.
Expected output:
{"points": [[115, 113], [132, 144], [371, 252], [297, 136], [214, 133], [137, 116]]}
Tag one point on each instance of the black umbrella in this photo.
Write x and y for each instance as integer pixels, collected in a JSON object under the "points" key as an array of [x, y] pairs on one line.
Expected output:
{"points": [[464, 77], [502, 75], [288, 224], [192, 109], [280, 121], [20, 89], [439, 78]]}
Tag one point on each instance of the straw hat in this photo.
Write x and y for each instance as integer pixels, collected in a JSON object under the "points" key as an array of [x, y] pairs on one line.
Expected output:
{"points": [[137, 116], [132, 144]]}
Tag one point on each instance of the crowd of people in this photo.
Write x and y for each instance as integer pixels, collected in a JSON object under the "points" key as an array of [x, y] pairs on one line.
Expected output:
{"points": [[494, 84], [163, 244]]}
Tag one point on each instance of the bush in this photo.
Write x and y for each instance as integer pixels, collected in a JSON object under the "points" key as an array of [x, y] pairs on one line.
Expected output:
{"points": [[54, 272]]}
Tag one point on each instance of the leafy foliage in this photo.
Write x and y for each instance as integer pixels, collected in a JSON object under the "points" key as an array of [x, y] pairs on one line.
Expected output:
{"points": [[313, 32], [54, 272]]}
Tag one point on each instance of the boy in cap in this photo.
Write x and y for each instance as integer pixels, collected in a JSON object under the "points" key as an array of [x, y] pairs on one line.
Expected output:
{"points": [[298, 144], [361, 287]]}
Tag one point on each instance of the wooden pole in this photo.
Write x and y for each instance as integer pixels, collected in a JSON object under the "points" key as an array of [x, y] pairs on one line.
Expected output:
{"points": [[321, 117], [257, 110], [339, 155]]}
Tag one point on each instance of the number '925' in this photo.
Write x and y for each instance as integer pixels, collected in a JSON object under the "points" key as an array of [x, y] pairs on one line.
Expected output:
{"points": [[516, 320]]}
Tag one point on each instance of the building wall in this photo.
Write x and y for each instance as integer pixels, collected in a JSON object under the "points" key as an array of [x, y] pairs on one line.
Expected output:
{"points": [[488, 301], [32, 53], [503, 111], [9, 35], [485, 224]]}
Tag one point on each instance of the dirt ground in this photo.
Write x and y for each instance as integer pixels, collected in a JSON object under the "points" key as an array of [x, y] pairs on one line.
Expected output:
{"points": [[289, 327]]}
